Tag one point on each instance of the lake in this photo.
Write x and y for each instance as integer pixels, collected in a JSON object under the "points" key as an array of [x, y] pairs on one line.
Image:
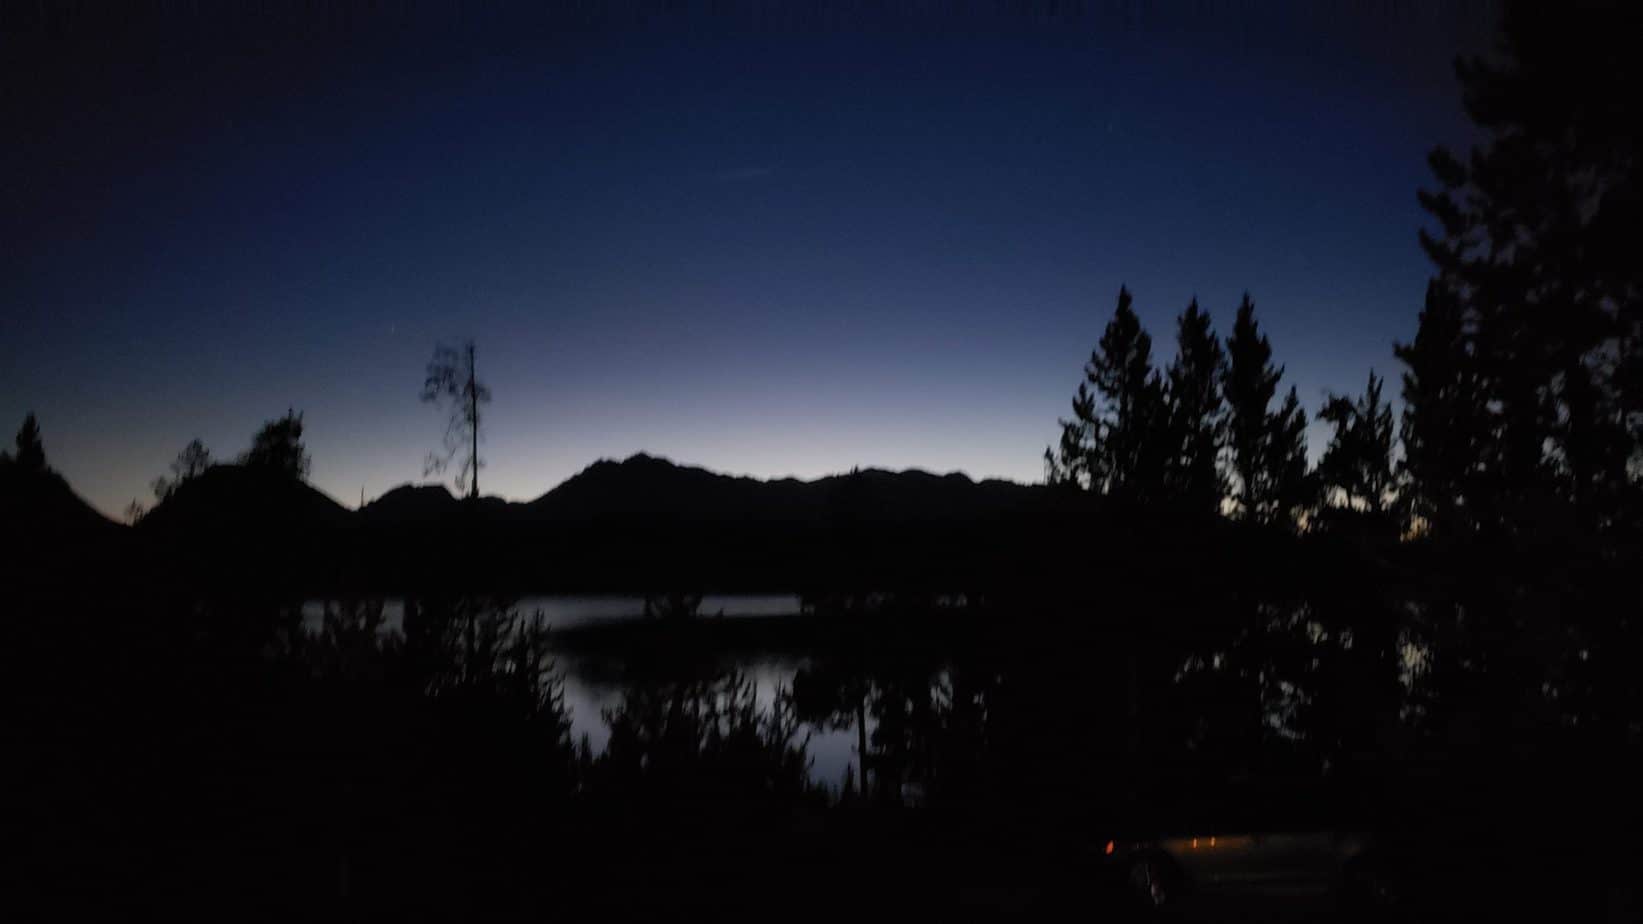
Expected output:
{"points": [[591, 688], [571, 611], [929, 701]]}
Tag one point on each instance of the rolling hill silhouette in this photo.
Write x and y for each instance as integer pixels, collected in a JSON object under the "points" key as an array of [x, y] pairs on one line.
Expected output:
{"points": [[40, 506], [49, 535], [644, 524], [639, 523], [239, 528], [228, 499], [645, 488]]}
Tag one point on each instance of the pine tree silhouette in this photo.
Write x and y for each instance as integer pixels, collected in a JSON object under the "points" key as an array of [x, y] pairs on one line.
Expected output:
{"points": [[1250, 382], [1445, 422], [1117, 442], [1532, 241], [1356, 469], [278, 447], [31, 453], [1196, 418]]}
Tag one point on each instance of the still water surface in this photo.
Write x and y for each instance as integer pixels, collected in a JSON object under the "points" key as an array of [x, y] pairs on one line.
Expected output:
{"points": [[590, 690]]}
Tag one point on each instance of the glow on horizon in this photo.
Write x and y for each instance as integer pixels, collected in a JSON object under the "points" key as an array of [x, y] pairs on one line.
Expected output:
{"points": [[858, 250]]}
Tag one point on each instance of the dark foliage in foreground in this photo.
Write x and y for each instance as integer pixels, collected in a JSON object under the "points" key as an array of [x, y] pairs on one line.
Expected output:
{"points": [[182, 755]]}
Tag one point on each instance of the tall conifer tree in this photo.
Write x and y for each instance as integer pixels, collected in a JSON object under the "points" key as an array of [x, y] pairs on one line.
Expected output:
{"points": [[1196, 419], [1115, 443]]}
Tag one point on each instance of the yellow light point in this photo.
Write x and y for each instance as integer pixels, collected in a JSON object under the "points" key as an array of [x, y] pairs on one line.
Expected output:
{"points": [[1195, 843], [1212, 842]]}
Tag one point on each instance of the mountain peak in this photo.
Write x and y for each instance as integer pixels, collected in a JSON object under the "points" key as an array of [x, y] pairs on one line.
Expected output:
{"points": [[39, 503], [236, 496]]}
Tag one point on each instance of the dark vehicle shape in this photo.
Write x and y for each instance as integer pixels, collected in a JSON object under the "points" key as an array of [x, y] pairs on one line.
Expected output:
{"points": [[1278, 845], [1309, 868]]}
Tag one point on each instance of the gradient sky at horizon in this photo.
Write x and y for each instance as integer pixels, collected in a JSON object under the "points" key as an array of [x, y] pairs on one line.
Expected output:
{"points": [[765, 244]]}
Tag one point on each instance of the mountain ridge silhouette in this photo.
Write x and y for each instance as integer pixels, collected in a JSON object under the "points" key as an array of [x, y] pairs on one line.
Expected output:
{"points": [[648, 485], [646, 523], [44, 501]]}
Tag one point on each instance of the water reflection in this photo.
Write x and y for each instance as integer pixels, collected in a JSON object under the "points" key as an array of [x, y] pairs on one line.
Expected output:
{"points": [[566, 611], [593, 692], [919, 716]]}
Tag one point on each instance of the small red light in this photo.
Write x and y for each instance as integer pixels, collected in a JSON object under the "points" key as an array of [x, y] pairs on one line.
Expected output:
{"points": [[1110, 848]]}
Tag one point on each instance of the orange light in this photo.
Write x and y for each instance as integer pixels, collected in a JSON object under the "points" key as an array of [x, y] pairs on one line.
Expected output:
{"points": [[1110, 848], [1195, 843], [1212, 842]]}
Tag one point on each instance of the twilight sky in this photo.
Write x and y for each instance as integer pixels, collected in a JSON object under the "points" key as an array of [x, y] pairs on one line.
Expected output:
{"points": [[764, 243]]}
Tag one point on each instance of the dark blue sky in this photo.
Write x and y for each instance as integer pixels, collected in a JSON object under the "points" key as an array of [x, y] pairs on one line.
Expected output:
{"points": [[764, 244]]}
